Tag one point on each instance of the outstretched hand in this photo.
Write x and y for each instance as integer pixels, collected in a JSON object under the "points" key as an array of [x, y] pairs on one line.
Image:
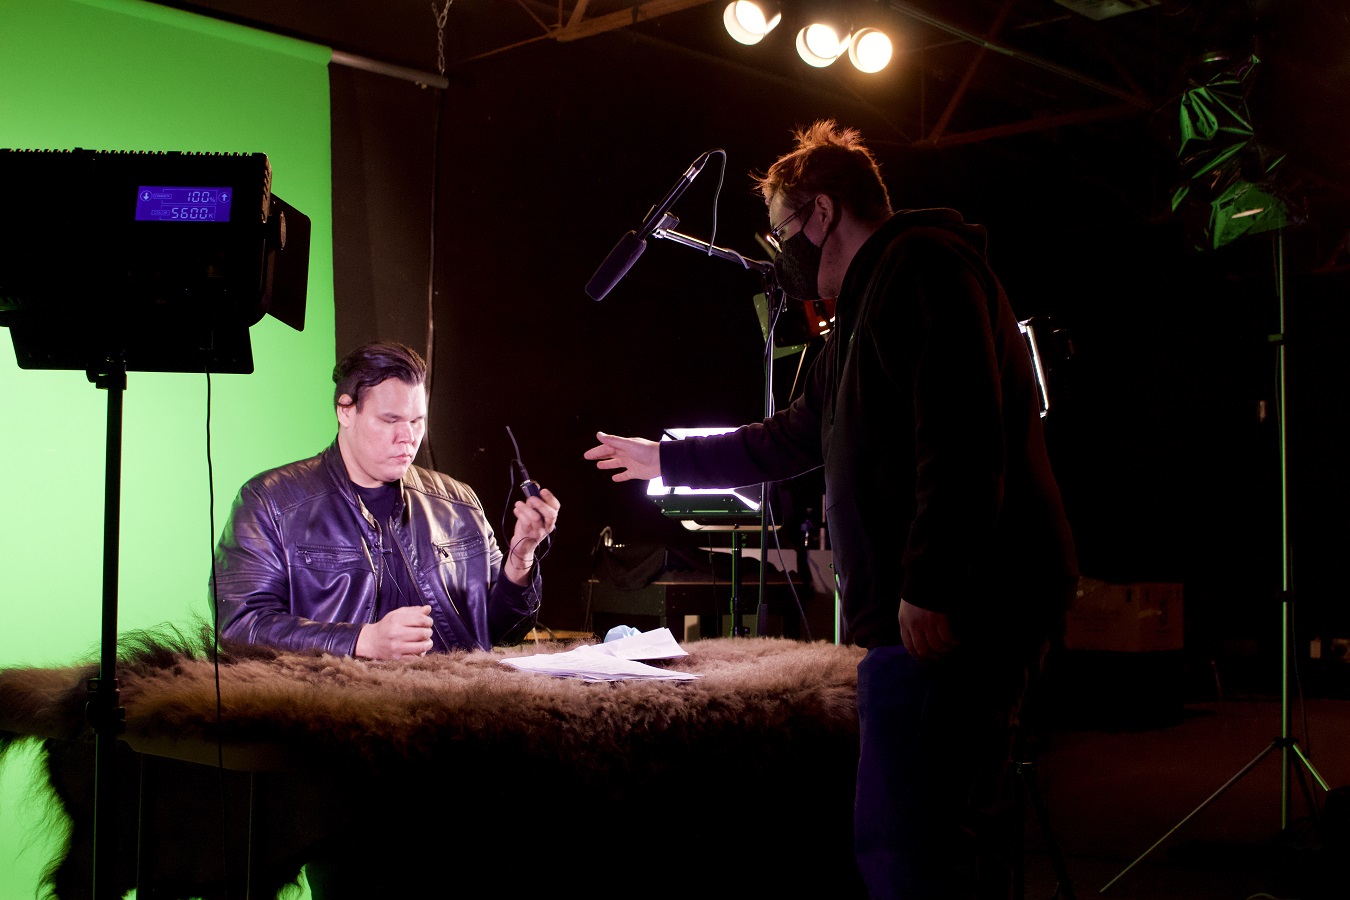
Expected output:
{"points": [[633, 457]]}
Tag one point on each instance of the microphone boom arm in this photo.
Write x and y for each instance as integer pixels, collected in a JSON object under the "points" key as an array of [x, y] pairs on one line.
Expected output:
{"points": [[664, 232]]}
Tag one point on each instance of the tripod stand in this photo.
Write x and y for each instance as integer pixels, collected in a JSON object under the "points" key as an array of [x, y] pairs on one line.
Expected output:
{"points": [[1024, 772], [1286, 744]]}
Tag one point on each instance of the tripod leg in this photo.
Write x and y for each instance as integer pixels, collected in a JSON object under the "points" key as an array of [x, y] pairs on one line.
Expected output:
{"points": [[1307, 764], [1273, 746], [1308, 769], [1019, 850], [1064, 887]]}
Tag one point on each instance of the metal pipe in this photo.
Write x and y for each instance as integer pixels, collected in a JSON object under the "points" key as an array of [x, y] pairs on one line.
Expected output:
{"points": [[913, 12], [366, 64]]}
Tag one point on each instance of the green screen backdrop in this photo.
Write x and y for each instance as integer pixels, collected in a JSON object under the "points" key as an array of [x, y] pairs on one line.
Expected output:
{"points": [[128, 75]]}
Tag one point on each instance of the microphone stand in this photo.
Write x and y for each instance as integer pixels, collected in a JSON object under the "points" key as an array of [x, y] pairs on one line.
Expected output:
{"points": [[777, 301]]}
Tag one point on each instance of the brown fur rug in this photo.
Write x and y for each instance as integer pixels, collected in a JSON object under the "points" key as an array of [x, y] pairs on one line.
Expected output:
{"points": [[741, 779]]}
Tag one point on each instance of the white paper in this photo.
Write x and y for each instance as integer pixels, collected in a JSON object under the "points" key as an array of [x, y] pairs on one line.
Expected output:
{"points": [[613, 661], [658, 643]]}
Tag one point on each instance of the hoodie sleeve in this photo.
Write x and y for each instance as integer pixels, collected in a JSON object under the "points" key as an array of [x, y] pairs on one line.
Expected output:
{"points": [[782, 446]]}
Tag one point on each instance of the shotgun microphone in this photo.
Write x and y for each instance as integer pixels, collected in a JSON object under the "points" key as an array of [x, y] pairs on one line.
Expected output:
{"points": [[615, 266], [631, 245]]}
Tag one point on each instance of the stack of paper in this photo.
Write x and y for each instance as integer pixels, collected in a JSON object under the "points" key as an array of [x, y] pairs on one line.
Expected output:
{"points": [[612, 661]]}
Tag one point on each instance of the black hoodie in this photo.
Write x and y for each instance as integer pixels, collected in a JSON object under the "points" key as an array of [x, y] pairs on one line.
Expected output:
{"points": [[923, 409]]}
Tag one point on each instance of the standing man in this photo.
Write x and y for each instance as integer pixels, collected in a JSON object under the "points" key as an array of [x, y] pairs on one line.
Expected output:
{"points": [[954, 558], [357, 551]]}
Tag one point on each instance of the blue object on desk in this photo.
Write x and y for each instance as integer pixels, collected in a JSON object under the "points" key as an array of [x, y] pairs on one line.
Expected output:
{"points": [[618, 632]]}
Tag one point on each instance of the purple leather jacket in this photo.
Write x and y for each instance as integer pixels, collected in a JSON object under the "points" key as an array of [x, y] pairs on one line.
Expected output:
{"points": [[300, 560]]}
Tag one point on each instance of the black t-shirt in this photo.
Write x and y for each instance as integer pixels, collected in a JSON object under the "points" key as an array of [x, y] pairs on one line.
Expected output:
{"points": [[396, 584]]}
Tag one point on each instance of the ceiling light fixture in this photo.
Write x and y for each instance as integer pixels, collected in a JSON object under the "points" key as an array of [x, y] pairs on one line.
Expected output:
{"points": [[819, 45], [748, 21], [869, 50]]}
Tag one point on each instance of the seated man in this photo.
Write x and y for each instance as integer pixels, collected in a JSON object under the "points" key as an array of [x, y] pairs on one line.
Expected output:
{"points": [[357, 551]]}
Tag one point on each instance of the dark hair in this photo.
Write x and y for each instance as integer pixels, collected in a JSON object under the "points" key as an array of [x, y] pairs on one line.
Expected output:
{"points": [[367, 366], [828, 160]]}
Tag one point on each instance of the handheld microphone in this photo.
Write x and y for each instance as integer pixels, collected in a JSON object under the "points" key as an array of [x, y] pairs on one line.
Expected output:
{"points": [[631, 245], [528, 485]]}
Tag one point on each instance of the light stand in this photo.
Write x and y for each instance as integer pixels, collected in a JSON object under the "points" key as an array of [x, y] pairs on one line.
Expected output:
{"points": [[1285, 743], [777, 302], [104, 710], [173, 259]]}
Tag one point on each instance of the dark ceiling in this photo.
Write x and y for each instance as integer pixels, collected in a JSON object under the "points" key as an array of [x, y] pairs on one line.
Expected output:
{"points": [[965, 70]]}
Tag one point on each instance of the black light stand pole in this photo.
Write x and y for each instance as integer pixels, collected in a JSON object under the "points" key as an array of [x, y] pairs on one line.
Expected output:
{"points": [[104, 710], [737, 610], [775, 301], [1286, 743]]}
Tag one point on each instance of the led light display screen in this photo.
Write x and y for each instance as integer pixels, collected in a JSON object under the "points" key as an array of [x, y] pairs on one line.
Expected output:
{"points": [[167, 203]]}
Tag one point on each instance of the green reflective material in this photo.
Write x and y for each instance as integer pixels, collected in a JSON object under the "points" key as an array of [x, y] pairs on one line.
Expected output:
{"points": [[1231, 213], [1229, 179]]}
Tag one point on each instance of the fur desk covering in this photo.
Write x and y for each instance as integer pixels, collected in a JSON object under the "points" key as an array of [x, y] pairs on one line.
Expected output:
{"points": [[464, 771]]}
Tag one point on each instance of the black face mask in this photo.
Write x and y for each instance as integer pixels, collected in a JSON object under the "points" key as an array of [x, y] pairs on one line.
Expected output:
{"points": [[798, 267]]}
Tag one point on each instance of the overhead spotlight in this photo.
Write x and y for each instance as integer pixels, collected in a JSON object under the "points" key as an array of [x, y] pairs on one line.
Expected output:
{"points": [[747, 21], [819, 45], [869, 50]]}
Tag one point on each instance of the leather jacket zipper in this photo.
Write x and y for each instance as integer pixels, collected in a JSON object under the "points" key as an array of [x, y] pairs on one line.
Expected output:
{"points": [[376, 569], [412, 577]]}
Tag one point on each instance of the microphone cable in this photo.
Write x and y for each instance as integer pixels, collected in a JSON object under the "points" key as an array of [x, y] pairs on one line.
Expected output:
{"points": [[215, 645], [517, 470], [717, 194]]}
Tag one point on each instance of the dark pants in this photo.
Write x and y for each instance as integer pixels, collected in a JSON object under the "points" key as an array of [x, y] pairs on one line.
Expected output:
{"points": [[930, 814]]}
